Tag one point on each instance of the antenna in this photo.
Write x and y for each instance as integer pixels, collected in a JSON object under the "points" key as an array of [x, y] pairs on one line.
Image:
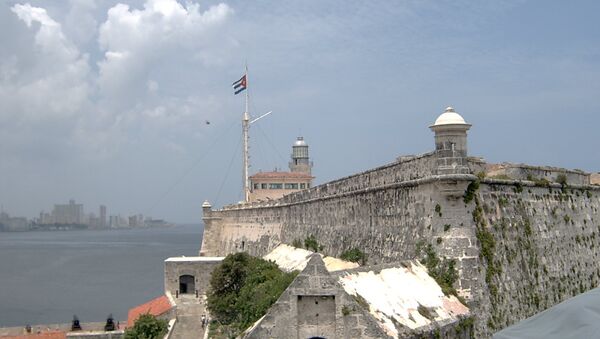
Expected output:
{"points": [[246, 122]]}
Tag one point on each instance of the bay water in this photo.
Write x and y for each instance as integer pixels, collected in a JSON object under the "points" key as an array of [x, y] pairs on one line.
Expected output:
{"points": [[47, 277]]}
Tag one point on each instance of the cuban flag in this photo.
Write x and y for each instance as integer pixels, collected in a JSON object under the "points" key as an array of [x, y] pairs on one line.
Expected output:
{"points": [[239, 85]]}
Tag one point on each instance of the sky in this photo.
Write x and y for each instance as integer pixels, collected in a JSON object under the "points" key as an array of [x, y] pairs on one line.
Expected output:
{"points": [[107, 102]]}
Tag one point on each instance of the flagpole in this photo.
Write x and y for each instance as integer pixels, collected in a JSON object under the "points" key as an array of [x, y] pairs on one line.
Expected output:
{"points": [[245, 128]]}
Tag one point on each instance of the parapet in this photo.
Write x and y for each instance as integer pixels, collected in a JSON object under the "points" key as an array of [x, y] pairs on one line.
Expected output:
{"points": [[535, 173]]}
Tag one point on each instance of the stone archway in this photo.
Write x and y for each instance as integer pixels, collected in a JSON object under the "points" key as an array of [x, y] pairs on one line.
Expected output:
{"points": [[187, 284]]}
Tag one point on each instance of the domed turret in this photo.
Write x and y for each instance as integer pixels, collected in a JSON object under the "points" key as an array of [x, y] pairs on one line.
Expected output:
{"points": [[450, 131], [449, 117]]}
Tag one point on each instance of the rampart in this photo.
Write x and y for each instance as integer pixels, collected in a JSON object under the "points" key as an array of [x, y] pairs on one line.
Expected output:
{"points": [[521, 244]]}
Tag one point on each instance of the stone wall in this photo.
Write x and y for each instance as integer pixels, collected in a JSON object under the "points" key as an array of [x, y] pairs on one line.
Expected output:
{"points": [[539, 246], [527, 172], [390, 211], [198, 267]]}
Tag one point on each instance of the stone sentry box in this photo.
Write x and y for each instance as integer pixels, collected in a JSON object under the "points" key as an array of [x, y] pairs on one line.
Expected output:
{"points": [[190, 275]]}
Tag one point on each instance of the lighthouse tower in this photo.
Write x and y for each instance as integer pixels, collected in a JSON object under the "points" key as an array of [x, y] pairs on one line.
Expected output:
{"points": [[300, 161], [451, 143]]}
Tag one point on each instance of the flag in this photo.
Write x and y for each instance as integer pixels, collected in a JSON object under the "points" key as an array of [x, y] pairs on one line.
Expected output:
{"points": [[239, 85]]}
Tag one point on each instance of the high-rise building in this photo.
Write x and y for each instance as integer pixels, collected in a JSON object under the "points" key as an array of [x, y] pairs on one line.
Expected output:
{"points": [[103, 223], [71, 213]]}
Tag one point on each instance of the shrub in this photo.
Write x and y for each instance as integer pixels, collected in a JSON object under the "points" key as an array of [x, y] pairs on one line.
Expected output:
{"points": [[443, 271], [447, 227], [354, 255], [438, 209], [297, 243], [243, 288], [470, 192], [311, 243], [562, 179], [147, 327]]}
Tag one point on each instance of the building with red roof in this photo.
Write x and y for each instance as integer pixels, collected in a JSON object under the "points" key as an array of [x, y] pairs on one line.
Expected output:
{"points": [[160, 307]]}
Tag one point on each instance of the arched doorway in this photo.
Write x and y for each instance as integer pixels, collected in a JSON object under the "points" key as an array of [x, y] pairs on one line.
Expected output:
{"points": [[186, 284]]}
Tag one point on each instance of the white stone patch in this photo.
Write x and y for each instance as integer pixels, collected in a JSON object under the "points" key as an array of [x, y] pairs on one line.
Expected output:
{"points": [[396, 293], [290, 258]]}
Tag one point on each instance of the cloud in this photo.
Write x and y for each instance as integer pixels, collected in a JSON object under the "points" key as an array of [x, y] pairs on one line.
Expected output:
{"points": [[56, 84], [135, 41]]}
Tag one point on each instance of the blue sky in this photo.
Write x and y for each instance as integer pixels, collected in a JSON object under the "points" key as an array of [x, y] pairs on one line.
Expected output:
{"points": [[106, 101]]}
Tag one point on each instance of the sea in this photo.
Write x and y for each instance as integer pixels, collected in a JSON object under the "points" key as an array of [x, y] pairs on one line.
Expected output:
{"points": [[49, 277]]}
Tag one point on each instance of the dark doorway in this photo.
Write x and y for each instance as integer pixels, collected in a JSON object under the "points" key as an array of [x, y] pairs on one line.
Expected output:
{"points": [[186, 284]]}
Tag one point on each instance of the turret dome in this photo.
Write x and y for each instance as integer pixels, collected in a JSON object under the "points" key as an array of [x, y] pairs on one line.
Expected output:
{"points": [[449, 117]]}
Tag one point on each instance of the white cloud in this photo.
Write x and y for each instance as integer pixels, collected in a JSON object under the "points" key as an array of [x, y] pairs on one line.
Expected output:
{"points": [[56, 85], [135, 41]]}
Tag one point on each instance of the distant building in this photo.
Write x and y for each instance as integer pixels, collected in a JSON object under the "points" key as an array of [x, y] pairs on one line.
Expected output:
{"points": [[71, 213], [12, 224], [274, 185], [103, 223]]}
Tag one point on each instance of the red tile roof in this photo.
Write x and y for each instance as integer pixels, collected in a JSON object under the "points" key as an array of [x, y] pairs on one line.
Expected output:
{"points": [[154, 307], [42, 335], [281, 175]]}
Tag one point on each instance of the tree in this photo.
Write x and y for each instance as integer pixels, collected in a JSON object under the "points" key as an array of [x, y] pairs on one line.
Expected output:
{"points": [[147, 327], [242, 289], [354, 255]]}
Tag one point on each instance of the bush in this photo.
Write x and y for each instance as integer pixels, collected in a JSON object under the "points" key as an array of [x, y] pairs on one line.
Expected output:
{"points": [[438, 209], [243, 288], [443, 271], [562, 179], [311, 243], [354, 255], [297, 243], [147, 327], [470, 192]]}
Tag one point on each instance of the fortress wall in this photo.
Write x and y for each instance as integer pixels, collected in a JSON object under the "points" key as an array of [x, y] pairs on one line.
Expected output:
{"points": [[403, 170], [546, 249], [386, 222], [525, 172], [546, 241]]}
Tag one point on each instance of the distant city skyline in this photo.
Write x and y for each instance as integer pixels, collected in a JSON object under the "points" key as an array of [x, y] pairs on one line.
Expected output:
{"points": [[129, 103]]}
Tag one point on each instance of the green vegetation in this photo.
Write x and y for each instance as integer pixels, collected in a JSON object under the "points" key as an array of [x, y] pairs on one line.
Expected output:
{"points": [[438, 209], [481, 175], [147, 327], [502, 201], [297, 243], [242, 289], [354, 255], [470, 192], [443, 271], [447, 227], [538, 182], [311, 243], [424, 311], [345, 310], [439, 240], [588, 194], [527, 227], [518, 187], [562, 179]]}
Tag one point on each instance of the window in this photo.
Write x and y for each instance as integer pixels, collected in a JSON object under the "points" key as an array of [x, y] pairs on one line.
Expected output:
{"points": [[291, 186], [263, 186], [256, 186], [274, 186], [302, 186]]}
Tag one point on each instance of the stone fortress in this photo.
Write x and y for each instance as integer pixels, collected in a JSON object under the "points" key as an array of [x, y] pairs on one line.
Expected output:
{"points": [[524, 238]]}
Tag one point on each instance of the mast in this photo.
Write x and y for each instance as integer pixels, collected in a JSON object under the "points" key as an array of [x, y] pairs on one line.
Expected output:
{"points": [[245, 128]]}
